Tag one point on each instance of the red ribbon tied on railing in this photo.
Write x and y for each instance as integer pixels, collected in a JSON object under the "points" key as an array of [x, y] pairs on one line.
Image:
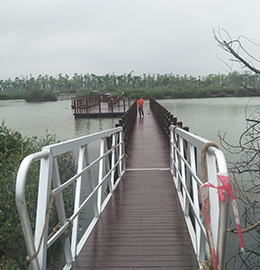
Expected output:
{"points": [[225, 187]]}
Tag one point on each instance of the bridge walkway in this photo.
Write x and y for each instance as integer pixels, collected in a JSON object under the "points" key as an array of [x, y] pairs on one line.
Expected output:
{"points": [[142, 226]]}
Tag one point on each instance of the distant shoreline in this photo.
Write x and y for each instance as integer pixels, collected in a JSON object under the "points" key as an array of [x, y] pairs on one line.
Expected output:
{"points": [[66, 96]]}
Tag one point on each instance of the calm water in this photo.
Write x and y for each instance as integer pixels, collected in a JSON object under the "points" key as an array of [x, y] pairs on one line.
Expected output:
{"points": [[209, 117], [205, 117], [37, 119]]}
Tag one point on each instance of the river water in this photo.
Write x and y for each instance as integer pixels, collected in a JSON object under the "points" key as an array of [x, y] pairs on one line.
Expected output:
{"points": [[205, 117], [37, 119]]}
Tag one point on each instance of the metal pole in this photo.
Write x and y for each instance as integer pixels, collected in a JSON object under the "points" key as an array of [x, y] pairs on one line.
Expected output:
{"points": [[222, 233]]}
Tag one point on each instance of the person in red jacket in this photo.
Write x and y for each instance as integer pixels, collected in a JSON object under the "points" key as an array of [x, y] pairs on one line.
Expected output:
{"points": [[140, 103]]}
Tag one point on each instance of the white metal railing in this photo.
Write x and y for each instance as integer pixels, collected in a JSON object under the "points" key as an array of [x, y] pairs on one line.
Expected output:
{"points": [[185, 151], [107, 162]]}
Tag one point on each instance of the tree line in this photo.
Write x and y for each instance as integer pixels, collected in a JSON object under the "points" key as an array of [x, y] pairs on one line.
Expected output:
{"points": [[64, 83]]}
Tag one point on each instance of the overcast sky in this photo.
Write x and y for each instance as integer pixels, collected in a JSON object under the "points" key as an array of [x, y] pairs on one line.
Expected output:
{"points": [[120, 36]]}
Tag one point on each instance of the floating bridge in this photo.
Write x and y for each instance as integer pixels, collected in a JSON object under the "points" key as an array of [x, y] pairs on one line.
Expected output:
{"points": [[143, 194]]}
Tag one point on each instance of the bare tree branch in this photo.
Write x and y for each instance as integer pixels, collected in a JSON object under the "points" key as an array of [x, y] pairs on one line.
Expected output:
{"points": [[227, 46], [240, 59]]}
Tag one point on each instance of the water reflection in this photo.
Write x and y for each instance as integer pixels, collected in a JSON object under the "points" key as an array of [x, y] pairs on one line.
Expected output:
{"points": [[82, 127], [141, 120], [86, 126]]}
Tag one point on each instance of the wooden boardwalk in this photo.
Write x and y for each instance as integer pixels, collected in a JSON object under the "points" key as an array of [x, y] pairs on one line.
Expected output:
{"points": [[142, 227], [102, 109]]}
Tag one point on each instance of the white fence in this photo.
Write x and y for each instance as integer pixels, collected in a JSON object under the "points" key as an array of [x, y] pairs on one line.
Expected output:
{"points": [[187, 174], [108, 162]]}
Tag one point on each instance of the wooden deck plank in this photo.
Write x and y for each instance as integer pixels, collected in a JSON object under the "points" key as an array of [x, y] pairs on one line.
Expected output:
{"points": [[142, 226]]}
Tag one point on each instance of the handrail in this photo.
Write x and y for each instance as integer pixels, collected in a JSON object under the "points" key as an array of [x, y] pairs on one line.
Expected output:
{"points": [[21, 202], [164, 118], [128, 122], [111, 167], [185, 149]]}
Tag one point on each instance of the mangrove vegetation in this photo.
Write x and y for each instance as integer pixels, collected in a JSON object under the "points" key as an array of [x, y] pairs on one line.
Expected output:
{"points": [[155, 85]]}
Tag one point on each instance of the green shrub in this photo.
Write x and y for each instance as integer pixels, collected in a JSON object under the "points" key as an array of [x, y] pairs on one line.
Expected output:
{"points": [[6, 95], [3, 96], [86, 92], [13, 149], [40, 96]]}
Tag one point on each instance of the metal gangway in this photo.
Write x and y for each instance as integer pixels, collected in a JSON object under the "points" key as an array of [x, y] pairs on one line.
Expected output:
{"points": [[103, 173]]}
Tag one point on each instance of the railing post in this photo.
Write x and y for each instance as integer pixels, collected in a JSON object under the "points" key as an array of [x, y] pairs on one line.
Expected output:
{"points": [[87, 105], [127, 122], [75, 107], [112, 105], [77, 203], [90, 178], [121, 153], [223, 224], [178, 166], [213, 194], [172, 151], [61, 210], [113, 154], [200, 238], [42, 208], [21, 205], [100, 175], [180, 124]]}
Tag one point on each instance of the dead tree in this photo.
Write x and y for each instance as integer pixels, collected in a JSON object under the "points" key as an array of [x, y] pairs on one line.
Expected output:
{"points": [[246, 170], [238, 54]]}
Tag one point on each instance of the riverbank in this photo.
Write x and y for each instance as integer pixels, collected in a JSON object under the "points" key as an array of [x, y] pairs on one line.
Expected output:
{"points": [[66, 96], [145, 93], [14, 95]]}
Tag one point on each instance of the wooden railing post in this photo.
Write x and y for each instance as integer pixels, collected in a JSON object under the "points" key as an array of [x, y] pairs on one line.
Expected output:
{"points": [[164, 118], [127, 122], [87, 105], [112, 104], [180, 124]]}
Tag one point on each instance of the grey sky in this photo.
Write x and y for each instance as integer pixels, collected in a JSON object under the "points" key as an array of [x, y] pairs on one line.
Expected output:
{"points": [[118, 36]]}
